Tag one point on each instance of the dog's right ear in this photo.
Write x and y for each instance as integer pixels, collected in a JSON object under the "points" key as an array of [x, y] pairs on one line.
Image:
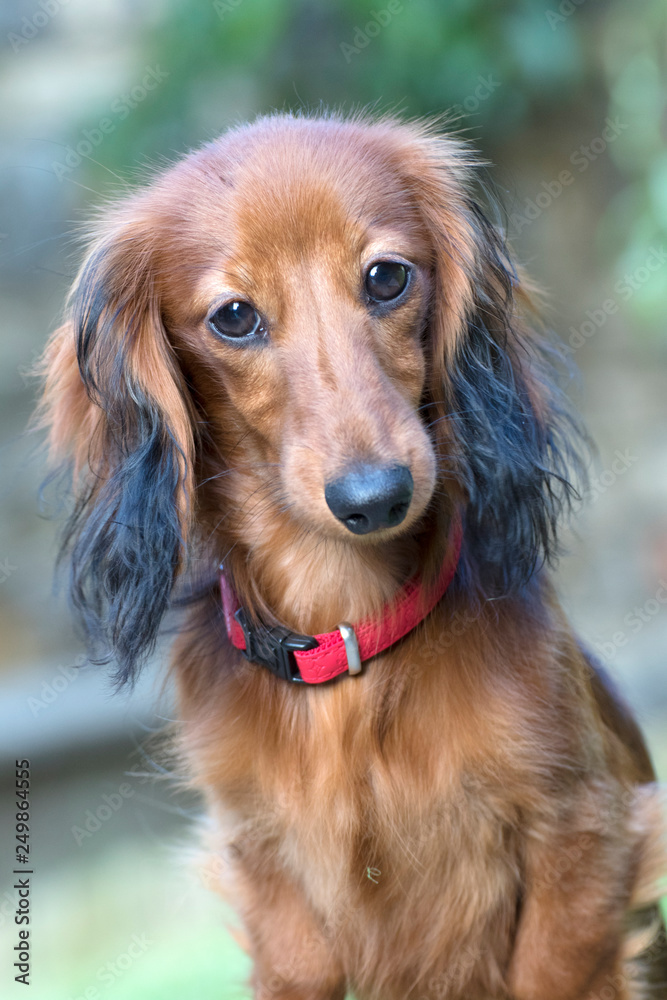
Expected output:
{"points": [[118, 414]]}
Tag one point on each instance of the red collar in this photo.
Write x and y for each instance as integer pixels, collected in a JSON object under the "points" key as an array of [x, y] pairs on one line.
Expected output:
{"points": [[319, 658]]}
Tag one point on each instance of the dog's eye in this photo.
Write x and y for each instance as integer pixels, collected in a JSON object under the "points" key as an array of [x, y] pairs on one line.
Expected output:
{"points": [[386, 279], [236, 319]]}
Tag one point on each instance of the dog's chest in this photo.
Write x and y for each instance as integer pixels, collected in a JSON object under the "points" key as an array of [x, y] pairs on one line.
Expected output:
{"points": [[403, 833]]}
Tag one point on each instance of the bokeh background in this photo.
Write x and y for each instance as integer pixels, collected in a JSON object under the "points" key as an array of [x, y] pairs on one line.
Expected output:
{"points": [[567, 100]]}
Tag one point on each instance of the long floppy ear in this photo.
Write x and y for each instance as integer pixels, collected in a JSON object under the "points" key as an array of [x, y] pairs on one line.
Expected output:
{"points": [[519, 445], [507, 440], [119, 417]]}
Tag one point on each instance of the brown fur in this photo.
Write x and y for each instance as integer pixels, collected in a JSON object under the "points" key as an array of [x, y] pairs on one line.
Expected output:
{"points": [[472, 817]]}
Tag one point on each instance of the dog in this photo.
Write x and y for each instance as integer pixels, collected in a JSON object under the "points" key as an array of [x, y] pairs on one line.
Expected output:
{"points": [[300, 367]]}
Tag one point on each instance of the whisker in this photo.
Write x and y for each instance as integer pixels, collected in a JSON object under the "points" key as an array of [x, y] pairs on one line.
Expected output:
{"points": [[236, 468]]}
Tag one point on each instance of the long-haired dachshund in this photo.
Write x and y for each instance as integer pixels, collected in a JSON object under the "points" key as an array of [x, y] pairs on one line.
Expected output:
{"points": [[302, 359]]}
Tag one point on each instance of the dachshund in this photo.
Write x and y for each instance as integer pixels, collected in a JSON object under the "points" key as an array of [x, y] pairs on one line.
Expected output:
{"points": [[300, 368]]}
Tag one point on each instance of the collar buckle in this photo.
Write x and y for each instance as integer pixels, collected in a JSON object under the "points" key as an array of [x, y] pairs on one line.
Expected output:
{"points": [[274, 647]]}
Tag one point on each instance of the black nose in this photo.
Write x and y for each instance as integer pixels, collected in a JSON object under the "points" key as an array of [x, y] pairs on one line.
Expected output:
{"points": [[370, 497]]}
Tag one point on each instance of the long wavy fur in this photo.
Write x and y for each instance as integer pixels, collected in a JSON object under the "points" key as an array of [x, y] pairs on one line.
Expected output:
{"points": [[521, 470]]}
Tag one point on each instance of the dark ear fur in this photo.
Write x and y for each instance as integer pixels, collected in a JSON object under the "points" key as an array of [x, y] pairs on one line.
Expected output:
{"points": [[517, 445], [132, 453], [509, 448]]}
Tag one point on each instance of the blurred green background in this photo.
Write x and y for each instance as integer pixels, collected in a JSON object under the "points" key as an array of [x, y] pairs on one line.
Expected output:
{"points": [[567, 101]]}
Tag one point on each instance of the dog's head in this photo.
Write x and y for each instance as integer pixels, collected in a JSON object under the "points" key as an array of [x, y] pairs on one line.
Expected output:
{"points": [[306, 328]]}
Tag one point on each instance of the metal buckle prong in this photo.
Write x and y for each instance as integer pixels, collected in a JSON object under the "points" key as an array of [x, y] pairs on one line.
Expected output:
{"points": [[351, 648]]}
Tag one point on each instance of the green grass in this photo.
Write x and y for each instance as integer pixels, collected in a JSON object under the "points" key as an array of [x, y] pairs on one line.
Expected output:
{"points": [[129, 925]]}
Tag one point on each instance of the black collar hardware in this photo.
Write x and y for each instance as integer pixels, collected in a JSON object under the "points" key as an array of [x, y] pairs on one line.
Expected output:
{"points": [[273, 647]]}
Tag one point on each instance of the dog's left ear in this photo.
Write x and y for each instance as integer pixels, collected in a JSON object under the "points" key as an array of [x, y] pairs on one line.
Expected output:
{"points": [[507, 441], [118, 413]]}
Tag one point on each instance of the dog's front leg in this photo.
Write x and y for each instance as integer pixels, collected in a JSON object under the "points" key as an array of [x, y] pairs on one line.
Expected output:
{"points": [[293, 958], [571, 924]]}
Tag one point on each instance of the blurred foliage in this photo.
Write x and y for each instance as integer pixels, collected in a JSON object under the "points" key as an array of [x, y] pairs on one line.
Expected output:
{"points": [[508, 69], [228, 58], [634, 52]]}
